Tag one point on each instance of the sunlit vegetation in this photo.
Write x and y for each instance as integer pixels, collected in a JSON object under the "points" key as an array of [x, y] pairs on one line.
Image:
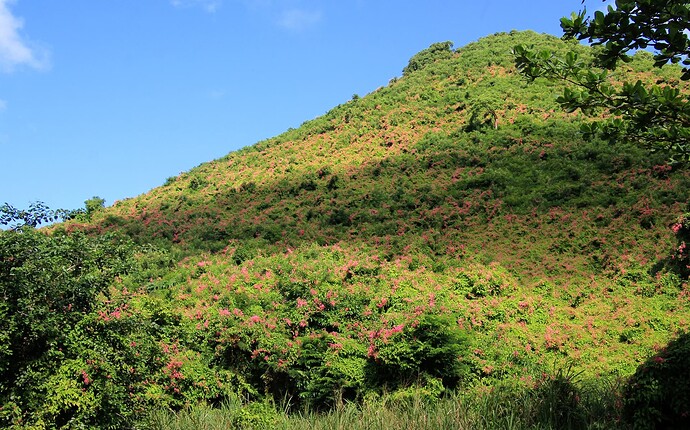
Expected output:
{"points": [[445, 252]]}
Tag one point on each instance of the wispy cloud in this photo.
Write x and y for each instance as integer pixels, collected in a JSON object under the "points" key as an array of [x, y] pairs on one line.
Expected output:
{"points": [[299, 19], [210, 6], [14, 50], [216, 94], [286, 14], [3, 105]]}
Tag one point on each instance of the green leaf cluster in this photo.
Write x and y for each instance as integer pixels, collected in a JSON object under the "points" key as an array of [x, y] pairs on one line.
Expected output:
{"points": [[655, 115]]}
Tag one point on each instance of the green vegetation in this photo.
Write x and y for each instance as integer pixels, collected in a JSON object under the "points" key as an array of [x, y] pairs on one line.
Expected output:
{"points": [[651, 112], [499, 407], [445, 252], [656, 394]]}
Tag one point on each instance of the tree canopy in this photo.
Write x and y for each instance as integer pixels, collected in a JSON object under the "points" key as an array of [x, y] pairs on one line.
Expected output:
{"points": [[37, 213], [656, 116]]}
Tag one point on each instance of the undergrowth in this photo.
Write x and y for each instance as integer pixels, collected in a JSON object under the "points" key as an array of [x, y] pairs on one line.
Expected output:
{"points": [[557, 402]]}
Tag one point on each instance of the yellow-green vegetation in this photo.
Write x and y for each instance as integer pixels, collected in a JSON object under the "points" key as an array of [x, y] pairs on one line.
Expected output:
{"points": [[445, 252]]}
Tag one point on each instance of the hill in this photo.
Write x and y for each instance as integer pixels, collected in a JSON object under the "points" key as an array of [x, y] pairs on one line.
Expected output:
{"points": [[447, 231]]}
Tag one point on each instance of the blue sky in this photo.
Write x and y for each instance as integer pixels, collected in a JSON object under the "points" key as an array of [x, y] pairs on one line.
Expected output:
{"points": [[110, 98]]}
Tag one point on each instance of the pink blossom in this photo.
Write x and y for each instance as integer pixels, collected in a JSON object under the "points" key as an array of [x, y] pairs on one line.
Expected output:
{"points": [[85, 377], [432, 300]]}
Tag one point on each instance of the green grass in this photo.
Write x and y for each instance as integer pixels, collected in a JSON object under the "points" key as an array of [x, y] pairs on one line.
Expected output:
{"points": [[555, 404]]}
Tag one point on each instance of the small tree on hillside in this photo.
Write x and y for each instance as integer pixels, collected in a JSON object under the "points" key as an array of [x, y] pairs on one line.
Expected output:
{"points": [[436, 51], [94, 204]]}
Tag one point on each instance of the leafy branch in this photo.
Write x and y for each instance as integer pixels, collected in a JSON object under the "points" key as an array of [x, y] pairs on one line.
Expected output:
{"points": [[656, 117]]}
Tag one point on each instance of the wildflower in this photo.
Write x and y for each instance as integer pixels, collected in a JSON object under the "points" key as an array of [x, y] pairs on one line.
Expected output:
{"points": [[85, 377]]}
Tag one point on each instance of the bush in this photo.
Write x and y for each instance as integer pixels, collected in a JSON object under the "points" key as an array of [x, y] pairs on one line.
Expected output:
{"points": [[557, 402], [658, 394], [681, 255], [436, 51], [424, 350], [49, 284], [329, 371]]}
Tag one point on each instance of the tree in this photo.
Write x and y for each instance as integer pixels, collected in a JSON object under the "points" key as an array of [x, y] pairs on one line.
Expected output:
{"points": [[37, 213], [436, 51], [94, 204], [656, 116], [48, 284]]}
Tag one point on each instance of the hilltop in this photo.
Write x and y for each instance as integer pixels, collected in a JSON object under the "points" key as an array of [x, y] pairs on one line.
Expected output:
{"points": [[448, 230]]}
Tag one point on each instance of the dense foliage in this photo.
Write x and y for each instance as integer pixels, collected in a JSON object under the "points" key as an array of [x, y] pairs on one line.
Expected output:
{"points": [[653, 113], [447, 236], [49, 285], [658, 394]]}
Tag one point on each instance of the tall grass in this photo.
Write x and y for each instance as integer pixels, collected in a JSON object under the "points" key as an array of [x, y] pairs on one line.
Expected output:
{"points": [[556, 403]]}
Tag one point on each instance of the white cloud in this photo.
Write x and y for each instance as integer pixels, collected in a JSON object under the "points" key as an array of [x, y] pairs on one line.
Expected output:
{"points": [[14, 51], [298, 19], [3, 105], [210, 6]]}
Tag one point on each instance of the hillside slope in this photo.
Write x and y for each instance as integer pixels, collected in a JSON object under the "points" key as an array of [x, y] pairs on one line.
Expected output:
{"points": [[457, 167], [453, 213]]}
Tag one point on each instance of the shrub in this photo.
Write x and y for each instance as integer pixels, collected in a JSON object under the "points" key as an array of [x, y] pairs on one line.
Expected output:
{"points": [[427, 349], [329, 370], [196, 183], [339, 217], [558, 402], [49, 284], [658, 394], [681, 255], [243, 253], [436, 51]]}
